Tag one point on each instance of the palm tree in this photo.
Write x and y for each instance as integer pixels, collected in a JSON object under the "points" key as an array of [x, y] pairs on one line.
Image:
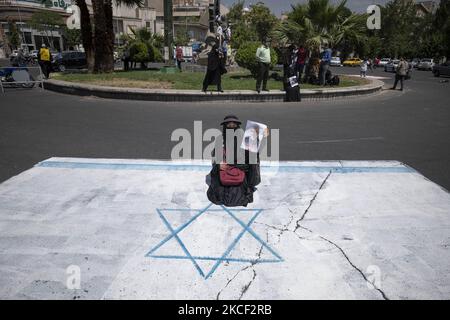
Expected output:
{"points": [[86, 33], [319, 22], [144, 46], [104, 34]]}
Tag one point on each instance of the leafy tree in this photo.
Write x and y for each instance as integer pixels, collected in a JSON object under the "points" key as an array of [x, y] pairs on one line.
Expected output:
{"points": [[47, 22], [13, 35], [441, 24], [398, 24], [261, 19], [72, 36], [236, 13], [319, 22], [182, 38], [242, 31], [144, 46]]}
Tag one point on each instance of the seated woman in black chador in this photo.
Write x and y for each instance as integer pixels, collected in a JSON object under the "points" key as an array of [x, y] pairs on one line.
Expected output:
{"points": [[233, 183]]}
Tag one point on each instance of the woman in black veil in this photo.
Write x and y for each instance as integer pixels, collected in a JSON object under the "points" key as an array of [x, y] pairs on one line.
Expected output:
{"points": [[233, 183]]}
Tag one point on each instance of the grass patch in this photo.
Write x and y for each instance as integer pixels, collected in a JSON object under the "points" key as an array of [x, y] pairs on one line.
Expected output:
{"points": [[150, 79]]}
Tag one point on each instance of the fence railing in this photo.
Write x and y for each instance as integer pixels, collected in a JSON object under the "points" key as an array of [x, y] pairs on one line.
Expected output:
{"points": [[20, 77]]}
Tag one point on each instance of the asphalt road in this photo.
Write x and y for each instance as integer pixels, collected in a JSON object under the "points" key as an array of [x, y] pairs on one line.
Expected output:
{"points": [[411, 126]]}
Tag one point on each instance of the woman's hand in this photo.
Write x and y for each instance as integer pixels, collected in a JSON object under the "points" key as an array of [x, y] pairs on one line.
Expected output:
{"points": [[223, 166]]}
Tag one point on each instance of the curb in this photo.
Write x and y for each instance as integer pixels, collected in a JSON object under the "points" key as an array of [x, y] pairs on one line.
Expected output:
{"points": [[172, 95]]}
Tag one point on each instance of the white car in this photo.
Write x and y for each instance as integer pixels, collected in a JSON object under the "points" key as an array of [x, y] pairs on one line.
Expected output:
{"points": [[391, 66], [384, 62], [335, 61], [426, 64]]}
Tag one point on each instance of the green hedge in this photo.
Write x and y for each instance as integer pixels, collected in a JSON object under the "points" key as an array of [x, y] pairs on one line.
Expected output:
{"points": [[144, 52], [246, 57]]}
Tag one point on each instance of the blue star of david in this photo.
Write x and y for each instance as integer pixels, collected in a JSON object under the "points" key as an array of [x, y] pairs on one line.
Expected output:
{"points": [[224, 258]]}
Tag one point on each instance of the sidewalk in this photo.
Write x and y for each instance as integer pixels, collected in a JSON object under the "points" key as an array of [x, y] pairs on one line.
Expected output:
{"points": [[135, 234]]}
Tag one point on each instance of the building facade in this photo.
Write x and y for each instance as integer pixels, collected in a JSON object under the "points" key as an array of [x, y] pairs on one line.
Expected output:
{"points": [[19, 12], [190, 17], [125, 19]]}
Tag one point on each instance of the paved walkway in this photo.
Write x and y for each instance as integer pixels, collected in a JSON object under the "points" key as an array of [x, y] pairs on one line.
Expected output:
{"points": [[144, 229]]}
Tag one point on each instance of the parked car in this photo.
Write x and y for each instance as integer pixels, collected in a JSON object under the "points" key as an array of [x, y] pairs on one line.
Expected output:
{"points": [[353, 62], [383, 62], [69, 60], [414, 62], [391, 66], [336, 61], [426, 64], [442, 69]]}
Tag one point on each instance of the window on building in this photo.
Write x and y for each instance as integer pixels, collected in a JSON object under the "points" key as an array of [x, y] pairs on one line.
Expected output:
{"points": [[27, 38], [118, 26], [137, 13]]}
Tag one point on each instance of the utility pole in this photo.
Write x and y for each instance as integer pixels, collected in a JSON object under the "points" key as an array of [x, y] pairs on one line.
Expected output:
{"points": [[214, 11], [168, 27]]}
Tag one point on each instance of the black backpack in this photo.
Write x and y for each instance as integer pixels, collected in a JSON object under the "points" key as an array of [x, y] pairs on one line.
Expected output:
{"points": [[335, 81]]}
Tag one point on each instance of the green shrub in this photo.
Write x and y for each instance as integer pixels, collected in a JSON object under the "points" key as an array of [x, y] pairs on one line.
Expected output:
{"points": [[246, 57], [156, 55], [139, 52]]}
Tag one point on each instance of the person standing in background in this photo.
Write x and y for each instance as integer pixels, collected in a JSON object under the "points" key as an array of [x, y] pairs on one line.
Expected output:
{"points": [[179, 56], [263, 59], [400, 73], [45, 61], [363, 66], [302, 54], [324, 64], [215, 69]]}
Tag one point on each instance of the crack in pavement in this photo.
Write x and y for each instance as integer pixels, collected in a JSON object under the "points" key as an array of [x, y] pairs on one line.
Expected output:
{"points": [[245, 288], [355, 267], [312, 200], [285, 228], [298, 226], [253, 263]]}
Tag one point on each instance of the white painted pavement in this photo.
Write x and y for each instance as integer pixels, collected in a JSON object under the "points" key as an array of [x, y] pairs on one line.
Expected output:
{"points": [[144, 229]]}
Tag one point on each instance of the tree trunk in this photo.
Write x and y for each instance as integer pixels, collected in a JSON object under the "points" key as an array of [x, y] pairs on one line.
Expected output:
{"points": [[109, 20], [103, 44], [86, 33]]}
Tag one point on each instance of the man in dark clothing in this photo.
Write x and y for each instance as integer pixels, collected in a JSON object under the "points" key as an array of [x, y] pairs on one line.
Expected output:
{"points": [[216, 67], [126, 58], [236, 195]]}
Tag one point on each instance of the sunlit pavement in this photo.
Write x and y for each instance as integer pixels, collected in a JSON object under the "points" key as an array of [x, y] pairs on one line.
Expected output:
{"points": [[144, 229]]}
